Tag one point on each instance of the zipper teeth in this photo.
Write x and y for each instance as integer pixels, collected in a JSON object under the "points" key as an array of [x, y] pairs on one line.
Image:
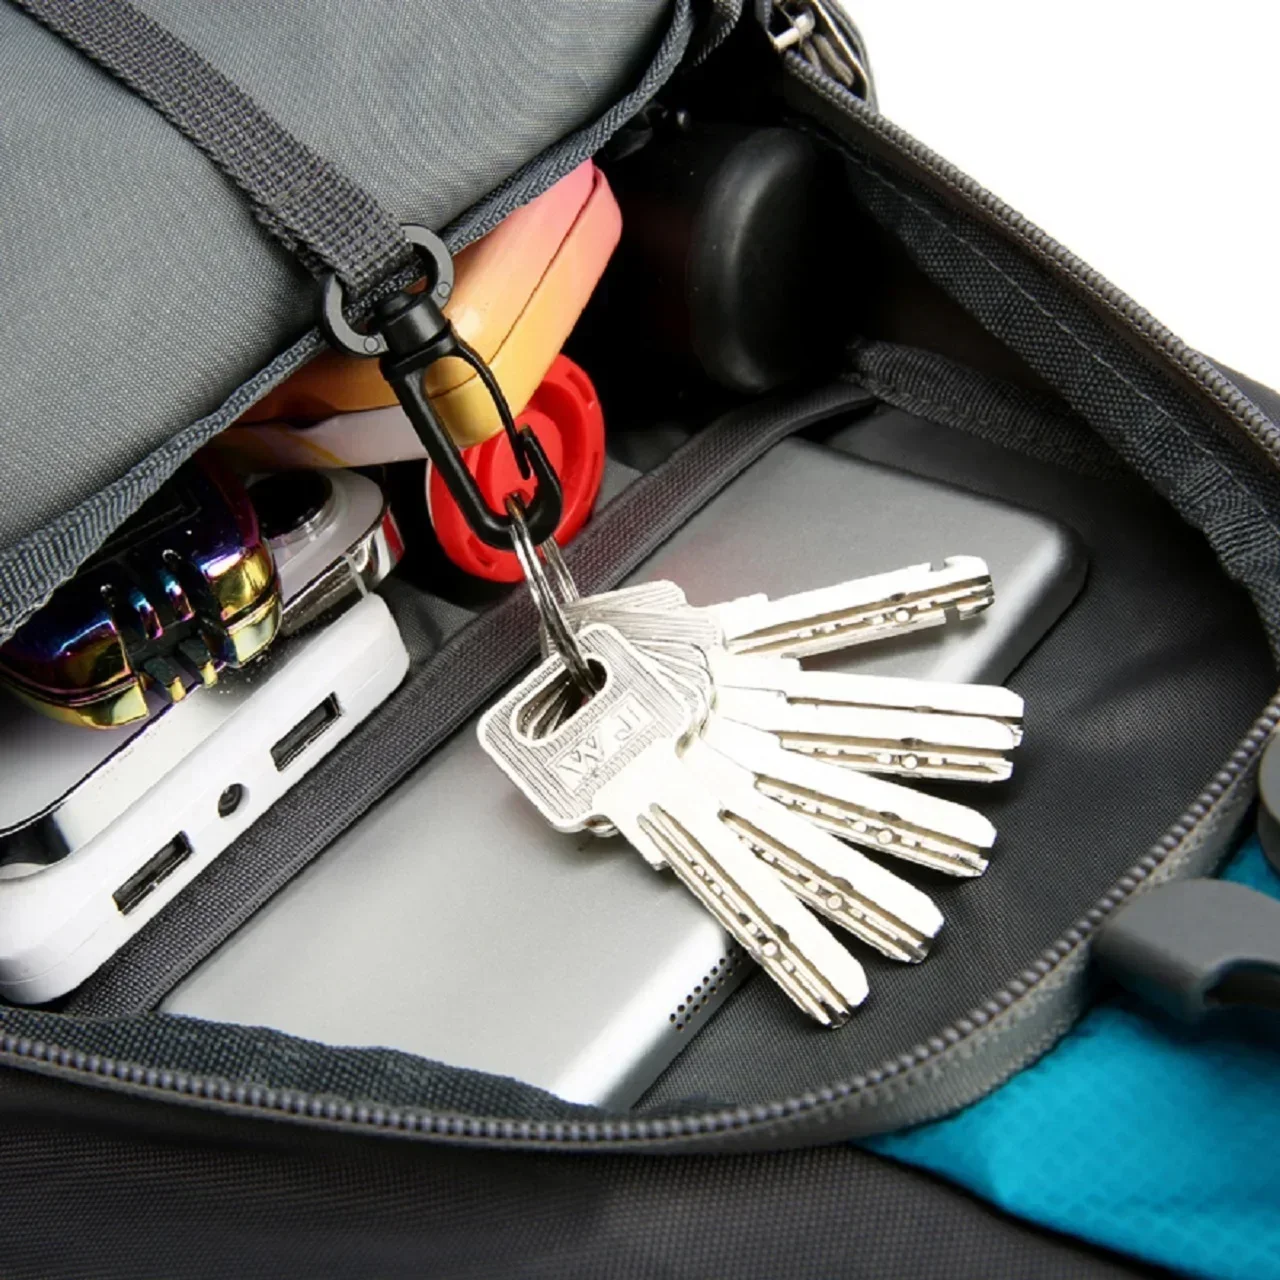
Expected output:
{"points": [[587, 1132], [1259, 428]]}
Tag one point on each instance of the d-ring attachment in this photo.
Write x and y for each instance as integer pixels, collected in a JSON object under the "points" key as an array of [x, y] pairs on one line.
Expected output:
{"points": [[544, 596], [410, 333], [333, 318]]}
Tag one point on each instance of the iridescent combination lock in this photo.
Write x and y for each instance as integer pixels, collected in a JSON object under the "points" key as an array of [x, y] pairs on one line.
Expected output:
{"points": [[184, 588]]}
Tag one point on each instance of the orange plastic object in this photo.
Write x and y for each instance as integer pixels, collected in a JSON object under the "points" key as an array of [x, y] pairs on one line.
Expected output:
{"points": [[565, 415], [517, 294]]}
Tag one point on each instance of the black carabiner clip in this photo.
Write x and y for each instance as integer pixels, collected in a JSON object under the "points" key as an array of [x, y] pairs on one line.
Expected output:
{"points": [[410, 334]]}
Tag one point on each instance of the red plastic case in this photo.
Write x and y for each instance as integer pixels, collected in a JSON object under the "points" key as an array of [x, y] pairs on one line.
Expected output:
{"points": [[564, 413]]}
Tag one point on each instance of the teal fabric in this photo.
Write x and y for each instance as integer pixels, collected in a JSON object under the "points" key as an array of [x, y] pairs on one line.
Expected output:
{"points": [[1160, 1142]]}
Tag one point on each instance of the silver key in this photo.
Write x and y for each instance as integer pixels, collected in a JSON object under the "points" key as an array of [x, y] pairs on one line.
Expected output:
{"points": [[641, 597], [848, 613], [857, 611], [645, 597], [837, 688], [682, 663], [685, 667], [617, 759], [659, 598], [878, 815], [648, 617], [908, 743], [875, 724], [867, 811], [840, 883]]}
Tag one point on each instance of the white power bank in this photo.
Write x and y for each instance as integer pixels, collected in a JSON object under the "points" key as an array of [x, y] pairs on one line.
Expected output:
{"points": [[166, 803], [60, 784]]}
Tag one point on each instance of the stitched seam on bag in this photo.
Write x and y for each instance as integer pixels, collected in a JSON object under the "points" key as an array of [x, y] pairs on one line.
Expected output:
{"points": [[925, 405], [1216, 463], [1004, 434]]}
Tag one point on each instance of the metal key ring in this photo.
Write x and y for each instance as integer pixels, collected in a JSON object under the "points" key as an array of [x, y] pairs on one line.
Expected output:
{"points": [[560, 576], [558, 628]]}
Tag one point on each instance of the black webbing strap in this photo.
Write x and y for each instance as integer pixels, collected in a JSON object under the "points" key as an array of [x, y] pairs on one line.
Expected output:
{"points": [[317, 213]]}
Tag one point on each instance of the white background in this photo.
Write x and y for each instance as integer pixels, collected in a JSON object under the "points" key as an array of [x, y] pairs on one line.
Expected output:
{"points": [[1144, 136]]}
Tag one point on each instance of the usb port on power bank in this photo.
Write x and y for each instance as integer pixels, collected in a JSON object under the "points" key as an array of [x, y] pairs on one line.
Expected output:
{"points": [[305, 732], [151, 873]]}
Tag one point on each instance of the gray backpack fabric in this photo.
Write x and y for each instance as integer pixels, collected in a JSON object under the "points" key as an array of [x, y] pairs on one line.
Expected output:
{"points": [[141, 307]]}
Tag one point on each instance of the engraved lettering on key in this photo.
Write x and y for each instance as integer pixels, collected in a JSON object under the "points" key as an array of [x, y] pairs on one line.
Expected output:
{"points": [[618, 728]]}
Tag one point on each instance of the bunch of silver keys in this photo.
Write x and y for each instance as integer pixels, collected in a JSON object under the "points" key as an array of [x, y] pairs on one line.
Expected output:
{"points": [[697, 735]]}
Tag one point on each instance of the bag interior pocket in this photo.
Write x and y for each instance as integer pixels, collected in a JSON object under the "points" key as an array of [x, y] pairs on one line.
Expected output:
{"points": [[962, 364]]}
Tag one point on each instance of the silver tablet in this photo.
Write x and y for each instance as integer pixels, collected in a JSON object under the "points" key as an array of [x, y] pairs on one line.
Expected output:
{"points": [[452, 923]]}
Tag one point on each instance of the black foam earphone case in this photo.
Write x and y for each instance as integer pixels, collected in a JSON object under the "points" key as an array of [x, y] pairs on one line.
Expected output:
{"points": [[733, 252]]}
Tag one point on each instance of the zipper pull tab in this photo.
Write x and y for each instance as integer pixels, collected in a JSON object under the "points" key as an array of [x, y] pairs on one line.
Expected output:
{"points": [[410, 333], [825, 37]]}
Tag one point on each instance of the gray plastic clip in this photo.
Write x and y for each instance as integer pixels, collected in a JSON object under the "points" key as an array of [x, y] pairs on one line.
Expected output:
{"points": [[1269, 802], [1192, 946]]}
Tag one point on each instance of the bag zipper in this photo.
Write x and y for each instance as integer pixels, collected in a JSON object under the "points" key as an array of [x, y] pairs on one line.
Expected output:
{"points": [[1155, 337], [826, 38], [783, 1120]]}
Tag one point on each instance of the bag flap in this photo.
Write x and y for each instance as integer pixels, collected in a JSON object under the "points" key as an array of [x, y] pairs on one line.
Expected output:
{"points": [[139, 293]]}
